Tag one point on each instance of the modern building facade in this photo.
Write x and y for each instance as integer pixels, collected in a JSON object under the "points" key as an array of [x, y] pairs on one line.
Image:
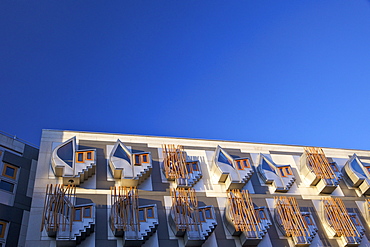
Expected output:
{"points": [[18, 161], [100, 189]]}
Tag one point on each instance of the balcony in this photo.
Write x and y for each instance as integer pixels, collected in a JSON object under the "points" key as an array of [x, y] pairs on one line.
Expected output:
{"points": [[318, 171], [185, 173], [233, 173], [74, 166], [357, 174], [130, 168], [195, 224], [279, 176], [293, 223], [245, 220], [338, 222], [65, 221], [134, 223]]}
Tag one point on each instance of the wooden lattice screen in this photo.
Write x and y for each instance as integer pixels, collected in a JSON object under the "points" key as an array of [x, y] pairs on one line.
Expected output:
{"points": [[336, 212], [124, 212], [242, 211], [185, 209], [174, 161], [319, 163], [58, 207], [291, 217]]}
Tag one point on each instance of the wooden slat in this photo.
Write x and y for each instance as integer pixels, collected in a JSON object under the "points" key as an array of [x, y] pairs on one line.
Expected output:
{"points": [[125, 209], [59, 199], [242, 212], [291, 217], [174, 161], [185, 209], [319, 163], [337, 213]]}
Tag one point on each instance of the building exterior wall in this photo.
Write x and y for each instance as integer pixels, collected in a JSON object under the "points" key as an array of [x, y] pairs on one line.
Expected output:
{"points": [[156, 189], [17, 190]]}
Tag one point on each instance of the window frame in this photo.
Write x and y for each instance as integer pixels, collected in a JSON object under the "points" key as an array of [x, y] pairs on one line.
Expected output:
{"points": [[139, 159], [12, 167], [74, 214], [92, 155], [210, 213], [264, 214], [144, 214], [147, 215], [285, 171], [309, 221], [238, 164], [83, 213], [3, 230], [242, 164], [142, 158], [203, 218], [334, 167], [83, 157]]}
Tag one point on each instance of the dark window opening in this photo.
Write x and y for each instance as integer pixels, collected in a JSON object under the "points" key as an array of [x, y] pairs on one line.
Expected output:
{"points": [[141, 215], [208, 214], [77, 214], [150, 213], [4, 185], [87, 212], [201, 216]]}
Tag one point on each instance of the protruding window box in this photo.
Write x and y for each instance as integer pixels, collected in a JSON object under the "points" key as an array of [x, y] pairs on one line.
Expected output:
{"points": [[195, 224], [134, 223], [279, 176], [357, 174], [234, 173], [300, 226], [65, 221], [74, 166], [245, 220], [131, 168], [338, 222], [318, 171], [185, 173]]}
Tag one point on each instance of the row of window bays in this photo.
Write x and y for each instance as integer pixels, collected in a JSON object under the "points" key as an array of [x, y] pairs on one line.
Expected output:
{"points": [[83, 156]]}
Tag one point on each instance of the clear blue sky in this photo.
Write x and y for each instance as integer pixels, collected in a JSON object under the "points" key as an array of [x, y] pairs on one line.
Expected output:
{"points": [[287, 72]]}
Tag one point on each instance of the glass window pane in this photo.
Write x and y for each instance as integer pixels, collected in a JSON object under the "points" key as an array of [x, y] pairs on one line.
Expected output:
{"points": [[208, 214], [141, 215], [137, 159], [246, 163], [223, 159], [78, 214], [10, 171], [188, 168], [4, 185], [201, 215], [195, 166], [80, 157], [121, 153], [1, 229], [66, 153], [89, 155], [287, 171], [239, 165], [150, 213], [308, 220], [262, 214], [281, 172], [145, 158], [87, 212]]}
